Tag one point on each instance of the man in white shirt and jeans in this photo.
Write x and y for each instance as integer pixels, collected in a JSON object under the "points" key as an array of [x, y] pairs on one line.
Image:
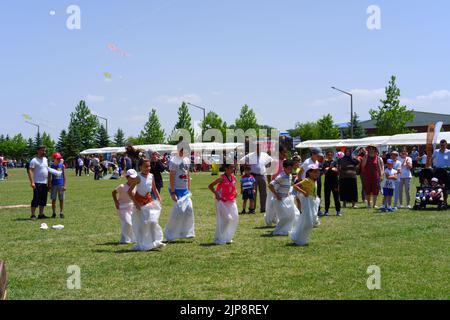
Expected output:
{"points": [[38, 175], [259, 161]]}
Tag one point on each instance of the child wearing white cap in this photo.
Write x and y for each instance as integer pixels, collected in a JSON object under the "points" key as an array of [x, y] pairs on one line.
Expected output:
{"points": [[307, 192], [124, 205]]}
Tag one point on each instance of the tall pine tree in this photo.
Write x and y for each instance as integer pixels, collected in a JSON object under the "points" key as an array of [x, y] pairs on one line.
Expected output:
{"points": [[102, 138], [83, 126], [119, 138], [184, 122], [152, 132]]}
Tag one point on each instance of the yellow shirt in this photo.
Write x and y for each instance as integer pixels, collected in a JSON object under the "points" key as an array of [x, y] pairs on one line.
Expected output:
{"points": [[309, 186]]}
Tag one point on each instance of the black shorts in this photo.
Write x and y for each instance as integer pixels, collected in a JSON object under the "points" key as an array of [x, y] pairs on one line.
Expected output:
{"points": [[40, 194], [248, 194]]}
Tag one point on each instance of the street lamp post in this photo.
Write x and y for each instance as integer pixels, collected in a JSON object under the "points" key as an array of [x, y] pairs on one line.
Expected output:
{"points": [[36, 125], [201, 108], [103, 118], [351, 108]]}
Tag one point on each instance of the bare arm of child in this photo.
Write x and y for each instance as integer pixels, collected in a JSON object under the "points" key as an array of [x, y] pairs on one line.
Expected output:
{"points": [[272, 189], [116, 201], [212, 187], [299, 189], [131, 193]]}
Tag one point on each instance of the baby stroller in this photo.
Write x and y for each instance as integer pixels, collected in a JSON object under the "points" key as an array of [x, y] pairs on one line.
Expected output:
{"points": [[431, 190]]}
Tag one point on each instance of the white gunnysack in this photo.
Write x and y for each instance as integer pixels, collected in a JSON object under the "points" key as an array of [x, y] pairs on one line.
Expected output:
{"points": [[227, 218], [305, 222], [126, 224], [270, 217], [286, 212], [181, 221], [147, 231]]}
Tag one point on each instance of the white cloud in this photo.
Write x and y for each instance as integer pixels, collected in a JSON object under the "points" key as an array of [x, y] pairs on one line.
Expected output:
{"points": [[94, 98], [192, 97], [435, 97]]}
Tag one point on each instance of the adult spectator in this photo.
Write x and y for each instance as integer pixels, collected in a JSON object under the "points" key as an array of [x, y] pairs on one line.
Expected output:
{"points": [[348, 184], [372, 168], [86, 165], [441, 156], [79, 166], [2, 169], [331, 186], [361, 154], [157, 168], [415, 157], [38, 176], [423, 160], [405, 178], [441, 162], [95, 166], [134, 155], [259, 161]]}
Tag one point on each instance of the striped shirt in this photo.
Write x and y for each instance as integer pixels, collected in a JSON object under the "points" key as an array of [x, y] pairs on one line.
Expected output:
{"points": [[282, 184]]}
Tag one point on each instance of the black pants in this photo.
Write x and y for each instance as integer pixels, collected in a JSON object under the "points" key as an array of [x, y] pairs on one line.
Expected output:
{"points": [[40, 194], [329, 188], [78, 170]]}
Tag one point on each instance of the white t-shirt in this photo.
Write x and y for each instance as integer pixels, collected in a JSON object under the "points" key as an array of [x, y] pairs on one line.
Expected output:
{"points": [[258, 164], [398, 168], [405, 173], [305, 166], [123, 197], [40, 170], [181, 168], [387, 182]]}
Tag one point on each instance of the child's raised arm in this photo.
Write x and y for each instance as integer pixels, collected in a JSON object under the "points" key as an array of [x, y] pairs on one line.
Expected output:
{"points": [[298, 187]]}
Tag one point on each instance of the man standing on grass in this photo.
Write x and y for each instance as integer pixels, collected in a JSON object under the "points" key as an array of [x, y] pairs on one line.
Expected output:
{"points": [[38, 175]]}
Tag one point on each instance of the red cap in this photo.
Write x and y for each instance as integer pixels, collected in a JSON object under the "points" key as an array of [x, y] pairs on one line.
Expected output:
{"points": [[57, 156]]}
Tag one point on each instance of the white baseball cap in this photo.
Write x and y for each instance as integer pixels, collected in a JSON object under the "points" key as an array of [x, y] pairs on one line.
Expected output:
{"points": [[312, 167], [132, 173], [435, 180]]}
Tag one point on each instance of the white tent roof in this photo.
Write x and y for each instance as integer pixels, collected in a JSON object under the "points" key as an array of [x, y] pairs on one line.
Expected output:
{"points": [[197, 147], [411, 139]]}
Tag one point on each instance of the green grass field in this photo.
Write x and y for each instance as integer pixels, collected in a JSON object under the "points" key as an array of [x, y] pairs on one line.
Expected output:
{"points": [[411, 248]]}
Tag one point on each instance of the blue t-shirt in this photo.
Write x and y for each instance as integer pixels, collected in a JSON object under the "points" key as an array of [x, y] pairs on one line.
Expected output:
{"points": [[248, 182], [57, 181], [441, 159]]}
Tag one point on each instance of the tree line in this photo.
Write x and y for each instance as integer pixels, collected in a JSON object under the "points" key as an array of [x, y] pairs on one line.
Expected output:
{"points": [[85, 132]]}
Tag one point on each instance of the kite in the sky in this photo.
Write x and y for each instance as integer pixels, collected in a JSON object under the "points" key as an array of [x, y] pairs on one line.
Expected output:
{"points": [[114, 48], [26, 116], [107, 75]]}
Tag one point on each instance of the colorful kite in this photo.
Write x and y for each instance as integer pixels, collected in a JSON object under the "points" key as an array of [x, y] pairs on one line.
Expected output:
{"points": [[107, 75], [26, 116], [114, 48]]}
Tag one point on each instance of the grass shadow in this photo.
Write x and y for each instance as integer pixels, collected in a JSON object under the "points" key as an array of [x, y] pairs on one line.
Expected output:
{"points": [[179, 242], [111, 244], [268, 235], [211, 244], [296, 245], [23, 219], [264, 227]]}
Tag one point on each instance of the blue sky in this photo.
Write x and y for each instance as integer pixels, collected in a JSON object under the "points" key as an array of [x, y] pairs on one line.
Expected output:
{"points": [[279, 57]]}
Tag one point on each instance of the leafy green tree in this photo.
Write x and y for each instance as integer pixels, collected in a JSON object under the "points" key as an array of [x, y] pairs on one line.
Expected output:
{"points": [[102, 138], [327, 129], [214, 121], [184, 122], [119, 138], [134, 141], [306, 131], [48, 142], [14, 148], [391, 117], [152, 132], [247, 119]]}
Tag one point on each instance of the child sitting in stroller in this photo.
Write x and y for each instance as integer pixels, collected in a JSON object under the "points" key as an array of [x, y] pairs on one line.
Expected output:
{"points": [[430, 193]]}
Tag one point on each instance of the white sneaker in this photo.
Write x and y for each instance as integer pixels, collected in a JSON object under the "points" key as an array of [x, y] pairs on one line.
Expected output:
{"points": [[400, 207], [409, 207]]}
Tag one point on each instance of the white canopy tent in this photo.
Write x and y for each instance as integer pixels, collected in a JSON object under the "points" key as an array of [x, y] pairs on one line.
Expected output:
{"points": [[411, 139], [196, 147]]}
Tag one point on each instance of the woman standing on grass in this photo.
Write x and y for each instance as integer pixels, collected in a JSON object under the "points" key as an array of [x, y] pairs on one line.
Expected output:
{"points": [[348, 185], [372, 169], [226, 208], [145, 218]]}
